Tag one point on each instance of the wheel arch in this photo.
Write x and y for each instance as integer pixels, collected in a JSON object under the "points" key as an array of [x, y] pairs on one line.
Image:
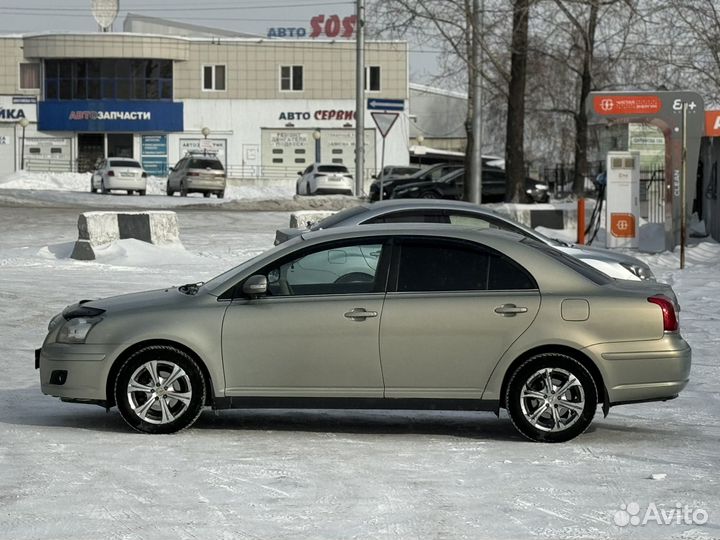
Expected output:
{"points": [[132, 349], [575, 354]]}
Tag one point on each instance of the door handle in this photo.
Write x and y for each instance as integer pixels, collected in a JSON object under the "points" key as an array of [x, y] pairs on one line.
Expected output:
{"points": [[359, 314], [510, 310]]}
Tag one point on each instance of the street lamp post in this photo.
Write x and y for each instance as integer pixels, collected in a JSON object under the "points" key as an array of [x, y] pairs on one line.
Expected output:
{"points": [[24, 122]]}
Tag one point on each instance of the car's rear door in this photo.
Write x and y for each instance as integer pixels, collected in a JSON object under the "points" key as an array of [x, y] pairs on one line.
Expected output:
{"points": [[452, 310]]}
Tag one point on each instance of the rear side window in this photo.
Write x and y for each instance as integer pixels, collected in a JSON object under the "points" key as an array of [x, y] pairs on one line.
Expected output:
{"points": [[213, 164], [124, 163], [410, 216], [431, 265], [333, 168]]}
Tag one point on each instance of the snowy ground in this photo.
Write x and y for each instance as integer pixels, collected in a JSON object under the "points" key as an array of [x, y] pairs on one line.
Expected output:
{"points": [[74, 472]]}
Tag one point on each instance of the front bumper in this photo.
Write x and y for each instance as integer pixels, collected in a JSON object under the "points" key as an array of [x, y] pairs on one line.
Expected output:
{"points": [[76, 372], [644, 371]]}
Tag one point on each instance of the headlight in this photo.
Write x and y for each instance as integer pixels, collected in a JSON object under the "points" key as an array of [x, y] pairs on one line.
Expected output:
{"points": [[57, 319], [541, 187], [76, 330], [80, 320], [640, 271]]}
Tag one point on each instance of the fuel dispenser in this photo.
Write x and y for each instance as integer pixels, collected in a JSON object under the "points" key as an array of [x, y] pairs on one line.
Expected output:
{"points": [[622, 200]]}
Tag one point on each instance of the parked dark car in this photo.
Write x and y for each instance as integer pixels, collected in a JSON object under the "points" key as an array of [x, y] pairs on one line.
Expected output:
{"points": [[450, 186], [434, 172]]}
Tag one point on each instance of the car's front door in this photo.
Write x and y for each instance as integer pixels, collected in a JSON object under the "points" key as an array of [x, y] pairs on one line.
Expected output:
{"points": [[453, 311], [315, 334]]}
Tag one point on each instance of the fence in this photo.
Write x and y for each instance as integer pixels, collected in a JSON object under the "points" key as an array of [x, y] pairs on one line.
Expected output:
{"points": [[652, 195]]}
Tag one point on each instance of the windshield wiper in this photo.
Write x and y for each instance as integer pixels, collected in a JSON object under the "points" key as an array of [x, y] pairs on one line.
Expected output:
{"points": [[190, 288]]}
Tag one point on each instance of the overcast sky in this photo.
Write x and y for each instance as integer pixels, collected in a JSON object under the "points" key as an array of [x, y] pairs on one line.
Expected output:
{"points": [[253, 16]]}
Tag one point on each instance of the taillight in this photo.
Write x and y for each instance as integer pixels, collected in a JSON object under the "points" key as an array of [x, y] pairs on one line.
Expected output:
{"points": [[111, 173], [670, 320]]}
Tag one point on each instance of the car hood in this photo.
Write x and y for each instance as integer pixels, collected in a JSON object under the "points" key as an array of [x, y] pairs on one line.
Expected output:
{"points": [[141, 300], [610, 262]]}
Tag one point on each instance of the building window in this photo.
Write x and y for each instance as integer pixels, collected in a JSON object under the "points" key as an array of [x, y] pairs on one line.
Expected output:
{"points": [[214, 78], [121, 79], [372, 78], [291, 78], [30, 76]]}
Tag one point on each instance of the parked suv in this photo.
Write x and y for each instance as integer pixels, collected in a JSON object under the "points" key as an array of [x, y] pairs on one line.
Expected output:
{"points": [[197, 173]]}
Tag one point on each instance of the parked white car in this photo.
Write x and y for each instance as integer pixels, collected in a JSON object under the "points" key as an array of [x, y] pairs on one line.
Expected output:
{"points": [[119, 174], [324, 179]]}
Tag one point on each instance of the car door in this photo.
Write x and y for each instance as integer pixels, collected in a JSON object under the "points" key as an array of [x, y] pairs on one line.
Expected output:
{"points": [[315, 334], [176, 174], [452, 310]]}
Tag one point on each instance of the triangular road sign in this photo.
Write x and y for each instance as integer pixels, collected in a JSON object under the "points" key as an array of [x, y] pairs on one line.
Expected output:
{"points": [[384, 121]]}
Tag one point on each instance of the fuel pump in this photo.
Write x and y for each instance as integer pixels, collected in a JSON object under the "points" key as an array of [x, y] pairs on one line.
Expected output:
{"points": [[622, 200]]}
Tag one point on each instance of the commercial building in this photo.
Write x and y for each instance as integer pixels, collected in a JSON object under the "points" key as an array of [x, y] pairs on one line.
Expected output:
{"points": [[268, 107]]}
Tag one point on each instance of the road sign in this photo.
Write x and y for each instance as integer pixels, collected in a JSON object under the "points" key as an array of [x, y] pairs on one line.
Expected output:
{"points": [[377, 104], [384, 121]]}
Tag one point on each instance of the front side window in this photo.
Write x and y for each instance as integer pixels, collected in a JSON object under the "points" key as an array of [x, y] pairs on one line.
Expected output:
{"points": [[29, 76], [436, 265], [291, 78], [214, 78], [349, 269]]}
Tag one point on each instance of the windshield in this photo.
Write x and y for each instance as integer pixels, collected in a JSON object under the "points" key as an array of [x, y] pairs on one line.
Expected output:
{"points": [[124, 163], [206, 164], [333, 220]]}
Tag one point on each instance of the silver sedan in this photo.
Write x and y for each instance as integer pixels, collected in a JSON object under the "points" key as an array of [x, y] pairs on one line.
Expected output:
{"points": [[386, 316], [612, 263]]}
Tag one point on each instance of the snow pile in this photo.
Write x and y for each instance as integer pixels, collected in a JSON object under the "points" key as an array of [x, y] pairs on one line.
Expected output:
{"points": [[51, 181]]}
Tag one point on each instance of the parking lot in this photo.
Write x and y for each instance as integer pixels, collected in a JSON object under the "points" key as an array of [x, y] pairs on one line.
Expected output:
{"points": [[76, 471]]}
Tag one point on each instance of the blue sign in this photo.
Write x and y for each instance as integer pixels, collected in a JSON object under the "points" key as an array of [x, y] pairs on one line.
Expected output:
{"points": [[155, 165], [154, 145], [110, 115], [379, 104]]}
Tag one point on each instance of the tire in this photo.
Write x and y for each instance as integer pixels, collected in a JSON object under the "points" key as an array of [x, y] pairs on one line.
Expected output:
{"points": [[102, 188], [130, 191], [297, 189], [143, 410], [169, 191], [537, 416], [221, 194], [206, 194], [183, 190], [142, 192], [429, 195], [92, 188]]}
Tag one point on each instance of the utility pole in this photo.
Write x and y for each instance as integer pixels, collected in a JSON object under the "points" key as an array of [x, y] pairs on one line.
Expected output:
{"points": [[360, 99], [474, 178]]}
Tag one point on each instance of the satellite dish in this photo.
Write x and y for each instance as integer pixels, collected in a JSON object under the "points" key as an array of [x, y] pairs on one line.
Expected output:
{"points": [[105, 12]]}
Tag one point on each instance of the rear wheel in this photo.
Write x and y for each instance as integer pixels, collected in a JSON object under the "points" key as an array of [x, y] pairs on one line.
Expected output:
{"points": [[103, 190], [206, 194], [183, 190], [551, 398], [160, 389], [142, 192], [130, 192], [221, 194], [429, 195]]}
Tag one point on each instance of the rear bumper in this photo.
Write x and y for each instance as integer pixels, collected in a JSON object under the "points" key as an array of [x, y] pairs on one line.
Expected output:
{"points": [[126, 183], [644, 371], [331, 187], [205, 184]]}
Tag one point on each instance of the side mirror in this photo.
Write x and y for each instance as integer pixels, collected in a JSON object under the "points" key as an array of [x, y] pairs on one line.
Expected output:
{"points": [[171, 169], [299, 173], [374, 177], [255, 286]]}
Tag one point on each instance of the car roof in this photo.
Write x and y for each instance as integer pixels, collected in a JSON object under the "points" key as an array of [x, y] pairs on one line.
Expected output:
{"points": [[423, 204]]}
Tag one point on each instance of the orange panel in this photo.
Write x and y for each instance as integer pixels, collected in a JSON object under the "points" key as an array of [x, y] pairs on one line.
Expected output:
{"points": [[612, 105], [622, 225]]}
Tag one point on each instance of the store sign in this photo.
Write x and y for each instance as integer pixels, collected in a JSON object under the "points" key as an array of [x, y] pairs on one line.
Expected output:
{"points": [[110, 115], [321, 114], [609, 105], [712, 123], [321, 26], [154, 145], [288, 139], [13, 112]]}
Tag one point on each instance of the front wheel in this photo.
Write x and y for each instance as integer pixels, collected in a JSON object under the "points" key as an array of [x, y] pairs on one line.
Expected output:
{"points": [[142, 192], [551, 398], [160, 389]]}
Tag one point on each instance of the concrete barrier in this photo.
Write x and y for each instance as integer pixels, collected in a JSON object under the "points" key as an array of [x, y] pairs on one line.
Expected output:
{"points": [[98, 228], [307, 218]]}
